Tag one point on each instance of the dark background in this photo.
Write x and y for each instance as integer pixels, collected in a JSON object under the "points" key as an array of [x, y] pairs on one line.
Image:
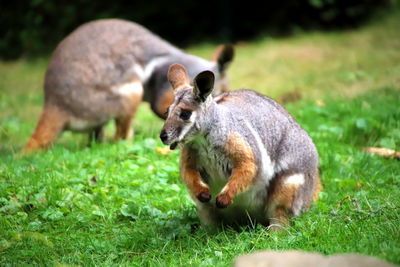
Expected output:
{"points": [[34, 27]]}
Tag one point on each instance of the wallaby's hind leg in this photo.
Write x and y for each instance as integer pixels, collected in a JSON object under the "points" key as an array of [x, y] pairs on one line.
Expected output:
{"points": [[50, 125], [123, 127], [133, 96], [284, 199]]}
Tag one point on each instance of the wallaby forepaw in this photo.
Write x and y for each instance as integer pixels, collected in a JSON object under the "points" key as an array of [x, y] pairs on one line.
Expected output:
{"points": [[223, 201], [204, 196]]}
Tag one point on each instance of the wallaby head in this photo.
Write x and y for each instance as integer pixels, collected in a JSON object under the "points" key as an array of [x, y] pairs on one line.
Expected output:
{"points": [[191, 104]]}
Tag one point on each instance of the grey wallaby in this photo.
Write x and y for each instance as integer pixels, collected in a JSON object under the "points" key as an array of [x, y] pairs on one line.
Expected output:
{"points": [[103, 70], [244, 158]]}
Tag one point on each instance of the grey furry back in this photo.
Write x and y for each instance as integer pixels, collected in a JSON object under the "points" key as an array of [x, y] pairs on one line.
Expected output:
{"points": [[103, 53], [278, 130]]}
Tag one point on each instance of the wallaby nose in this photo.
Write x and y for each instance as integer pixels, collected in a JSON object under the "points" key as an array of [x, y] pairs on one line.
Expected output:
{"points": [[164, 136]]}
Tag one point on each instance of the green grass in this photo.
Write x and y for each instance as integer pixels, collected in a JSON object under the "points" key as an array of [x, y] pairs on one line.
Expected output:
{"points": [[124, 204]]}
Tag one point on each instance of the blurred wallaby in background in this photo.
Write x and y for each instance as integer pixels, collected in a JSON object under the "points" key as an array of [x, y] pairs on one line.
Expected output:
{"points": [[103, 70]]}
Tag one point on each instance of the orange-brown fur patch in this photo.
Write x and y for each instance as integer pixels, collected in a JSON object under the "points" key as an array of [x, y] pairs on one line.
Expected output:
{"points": [[283, 195], [51, 123], [280, 200], [222, 98], [123, 127], [191, 176], [244, 169], [124, 121], [318, 188], [166, 100]]}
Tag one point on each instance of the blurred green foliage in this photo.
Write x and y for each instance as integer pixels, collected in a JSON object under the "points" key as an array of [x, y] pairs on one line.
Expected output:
{"points": [[34, 27]]}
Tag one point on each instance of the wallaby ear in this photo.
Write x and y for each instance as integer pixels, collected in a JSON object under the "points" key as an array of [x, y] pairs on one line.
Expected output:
{"points": [[223, 55], [178, 76], [203, 84]]}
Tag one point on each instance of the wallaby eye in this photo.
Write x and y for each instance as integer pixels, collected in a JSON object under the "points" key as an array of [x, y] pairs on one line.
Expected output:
{"points": [[185, 115]]}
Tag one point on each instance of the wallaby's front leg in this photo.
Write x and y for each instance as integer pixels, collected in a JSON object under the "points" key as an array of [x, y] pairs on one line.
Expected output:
{"points": [[243, 172], [192, 178]]}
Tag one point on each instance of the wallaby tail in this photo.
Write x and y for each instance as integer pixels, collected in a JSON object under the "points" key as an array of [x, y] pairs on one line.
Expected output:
{"points": [[51, 123]]}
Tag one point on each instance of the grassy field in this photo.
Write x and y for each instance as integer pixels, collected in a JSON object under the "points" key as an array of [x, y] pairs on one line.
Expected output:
{"points": [[124, 204]]}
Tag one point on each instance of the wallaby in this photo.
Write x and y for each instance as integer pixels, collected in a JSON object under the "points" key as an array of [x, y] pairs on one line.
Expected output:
{"points": [[241, 148], [103, 70]]}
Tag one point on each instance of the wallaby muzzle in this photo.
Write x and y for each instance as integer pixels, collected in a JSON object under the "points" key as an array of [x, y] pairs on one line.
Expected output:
{"points": [[164, 139]]}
